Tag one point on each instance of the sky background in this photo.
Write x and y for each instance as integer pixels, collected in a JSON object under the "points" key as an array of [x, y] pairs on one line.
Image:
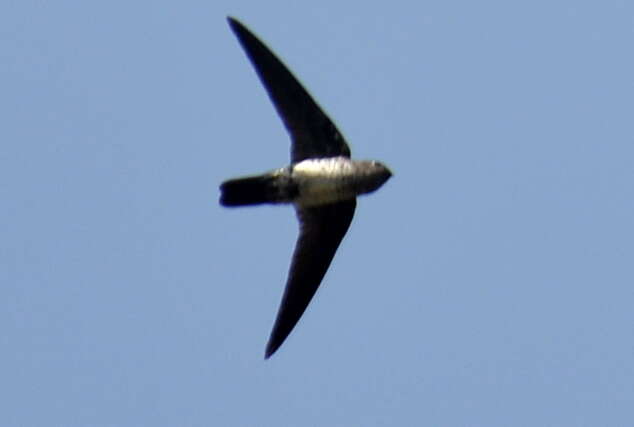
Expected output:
{"points": [[490, 282]]}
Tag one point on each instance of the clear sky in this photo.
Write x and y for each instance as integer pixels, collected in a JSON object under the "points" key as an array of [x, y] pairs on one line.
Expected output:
{"points": [[489, 283]]}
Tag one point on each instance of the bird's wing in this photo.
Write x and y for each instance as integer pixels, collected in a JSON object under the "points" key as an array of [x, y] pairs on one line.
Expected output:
{"points": [[312, 133], [321, 231]]}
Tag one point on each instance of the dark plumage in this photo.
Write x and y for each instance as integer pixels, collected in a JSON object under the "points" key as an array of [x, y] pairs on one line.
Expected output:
{"points": [[256, 190], [321, 182]]}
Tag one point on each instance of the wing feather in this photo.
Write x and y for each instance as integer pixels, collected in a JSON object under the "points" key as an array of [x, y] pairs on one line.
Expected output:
{"points": [[312, 132], [321, 231]]}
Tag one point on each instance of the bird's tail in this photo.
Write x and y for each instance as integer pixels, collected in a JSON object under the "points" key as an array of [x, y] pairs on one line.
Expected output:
{"points": [[252, 190]]}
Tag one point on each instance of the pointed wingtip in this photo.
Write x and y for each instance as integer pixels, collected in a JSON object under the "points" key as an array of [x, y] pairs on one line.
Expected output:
{"points": [[270, 350], [233, 22], [238, 28]]}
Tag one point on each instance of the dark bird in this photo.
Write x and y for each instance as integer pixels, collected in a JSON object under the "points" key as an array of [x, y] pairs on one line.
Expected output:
{"points": [[321, 182]]}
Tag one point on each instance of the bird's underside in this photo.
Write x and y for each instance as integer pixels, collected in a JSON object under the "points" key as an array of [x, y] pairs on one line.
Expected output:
{"points": [[323, 219]]}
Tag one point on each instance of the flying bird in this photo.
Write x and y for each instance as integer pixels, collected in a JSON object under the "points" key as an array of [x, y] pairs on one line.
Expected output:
{"points": [[322, 182]]}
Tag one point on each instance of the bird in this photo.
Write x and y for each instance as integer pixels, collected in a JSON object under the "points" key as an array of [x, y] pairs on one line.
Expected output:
{"points": [[321, 182]]}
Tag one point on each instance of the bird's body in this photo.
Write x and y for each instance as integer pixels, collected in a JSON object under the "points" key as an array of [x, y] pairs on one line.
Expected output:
{"points": [[311, 182], [322, 183]]}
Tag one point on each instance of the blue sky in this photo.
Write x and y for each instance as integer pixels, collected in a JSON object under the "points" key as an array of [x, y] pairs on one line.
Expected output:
{"points": [[490, 282]]}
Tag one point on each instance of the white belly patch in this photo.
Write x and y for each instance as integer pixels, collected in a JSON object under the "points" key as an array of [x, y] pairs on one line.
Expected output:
{"points": [[322, 181]]}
